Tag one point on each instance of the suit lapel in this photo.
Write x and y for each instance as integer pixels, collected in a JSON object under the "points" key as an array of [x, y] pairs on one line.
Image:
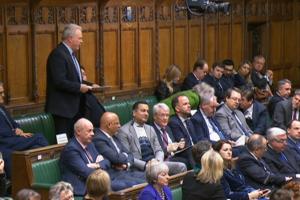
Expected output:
{"points": [[135, 137], [204, 125]]}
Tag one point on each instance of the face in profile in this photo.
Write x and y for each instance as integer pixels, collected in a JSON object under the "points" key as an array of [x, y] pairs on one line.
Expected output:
{"points": [[163, 178]]}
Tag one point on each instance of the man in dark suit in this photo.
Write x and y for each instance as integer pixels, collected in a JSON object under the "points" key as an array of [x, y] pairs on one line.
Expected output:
{"points": [[180, 123], [12, 137], [255, 112], [284, 88], [285, 111], [80, 158], [64, 94], [214, 79], [166, 139], [111, 148], [257, 173], [228, 76], [199, 71], [281, 159], [293, 132]]}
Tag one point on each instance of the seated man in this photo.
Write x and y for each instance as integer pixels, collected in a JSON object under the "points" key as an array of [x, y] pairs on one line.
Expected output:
{"points": [[13, 138], [255, 113], [110, 147], [199, 71], [166, 139], [284, 88], [79, 159], [141, 139], [281, 159], [288, 110], [232, 120], [256, 171], [180, 123], [293, 132], [228, 75]]}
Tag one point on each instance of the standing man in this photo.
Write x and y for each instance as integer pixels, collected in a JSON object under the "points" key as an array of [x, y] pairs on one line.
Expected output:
{"points": [[64, 95]]}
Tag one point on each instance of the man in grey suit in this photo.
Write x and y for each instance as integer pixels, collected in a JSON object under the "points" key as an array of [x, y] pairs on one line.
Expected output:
{"points": [[141, 140], [288, 110], [232, 120]]}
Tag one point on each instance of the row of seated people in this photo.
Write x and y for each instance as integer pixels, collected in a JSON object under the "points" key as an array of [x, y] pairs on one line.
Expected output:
{"points": [[221, 77]]}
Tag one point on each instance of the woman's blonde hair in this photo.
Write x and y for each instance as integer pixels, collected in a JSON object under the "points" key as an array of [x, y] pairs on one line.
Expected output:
{"points": [[211, 167], [98, 184], [171, 73]]}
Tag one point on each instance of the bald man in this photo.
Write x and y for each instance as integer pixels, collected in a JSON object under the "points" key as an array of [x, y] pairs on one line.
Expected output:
{"points": [[111, 148]]}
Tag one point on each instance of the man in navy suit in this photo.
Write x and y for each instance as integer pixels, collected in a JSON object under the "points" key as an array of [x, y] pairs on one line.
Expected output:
{"points": [[80, 158], [12, 137], [166, 139], [257, 173], [284, 88], [65, 89], [255, 113], [285, 111], [293, 132], [199, 71], [111, 148], [281, 159], [180, 123]]}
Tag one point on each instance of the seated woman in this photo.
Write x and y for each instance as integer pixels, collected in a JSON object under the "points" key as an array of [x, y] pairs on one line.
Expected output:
{"points": [[158, 178], [97, 185], [205, 185], [233, 181], [169, 84], [242, 79], [62, 191]]}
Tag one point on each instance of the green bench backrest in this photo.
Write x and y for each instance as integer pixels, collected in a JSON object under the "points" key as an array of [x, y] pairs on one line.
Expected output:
{"points": [[38, 123], [46, 173], [177, 193]]}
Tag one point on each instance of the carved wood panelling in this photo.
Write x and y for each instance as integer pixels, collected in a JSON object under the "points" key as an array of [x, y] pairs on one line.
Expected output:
{"points": [[128, 13], [279, 9], [164, 13], [110, 15], [67, 15], [87, 14], [257, 8], [17, 14], [44, 15], [146, 13]]}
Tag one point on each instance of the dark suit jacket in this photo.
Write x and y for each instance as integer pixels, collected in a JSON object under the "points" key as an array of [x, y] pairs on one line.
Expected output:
{"points": [[257, 173], [213, 82], [258, 82], [150, 193], [201, 127], [291, 167], [193, 189], [273, 102], [283, 114], [63, 84], [179, 131], [162, 91], [189, 82], [106, 148], [73, 165], [293, 146], [259, 118], [94, 109]]}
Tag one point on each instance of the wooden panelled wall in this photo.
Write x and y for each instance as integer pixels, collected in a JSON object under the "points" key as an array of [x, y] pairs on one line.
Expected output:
{"points": [[131, 55]]}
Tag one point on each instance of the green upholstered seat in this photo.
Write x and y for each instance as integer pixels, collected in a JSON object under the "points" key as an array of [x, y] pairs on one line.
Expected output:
{"points": [[45, 173], [193, 97], [38, 123], [177, 193]]}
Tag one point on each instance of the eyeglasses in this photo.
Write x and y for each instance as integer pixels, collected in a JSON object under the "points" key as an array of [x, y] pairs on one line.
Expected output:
{"points": [[235, 99], [280, 140]]}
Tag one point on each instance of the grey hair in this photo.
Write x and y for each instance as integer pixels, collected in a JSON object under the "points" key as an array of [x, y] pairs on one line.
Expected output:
{"points": [[153, 169], [282, 82], [204, 90], [297, 92], [159, 106], [273, 132], [255, 142], [55, 190], [70, 30], [79, 124]]}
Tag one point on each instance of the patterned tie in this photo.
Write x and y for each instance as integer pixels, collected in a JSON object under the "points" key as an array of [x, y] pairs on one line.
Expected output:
{"points": [[165, 137], [87, 153], [216, 129]]}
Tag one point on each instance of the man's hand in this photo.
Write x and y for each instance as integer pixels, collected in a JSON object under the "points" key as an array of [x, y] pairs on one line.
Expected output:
{"points": [[85, 88], [93, 165], [20, 132], [120, 167], [172, 147]]}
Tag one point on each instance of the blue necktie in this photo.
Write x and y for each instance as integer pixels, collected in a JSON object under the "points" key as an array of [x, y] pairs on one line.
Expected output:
{"points": [[244, 132], [77, 67], [216, 129]]}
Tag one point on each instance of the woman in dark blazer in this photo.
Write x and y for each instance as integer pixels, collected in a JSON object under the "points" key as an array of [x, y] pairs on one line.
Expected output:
{"points": [[205, 185], [157, 175], [233, 181]]}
